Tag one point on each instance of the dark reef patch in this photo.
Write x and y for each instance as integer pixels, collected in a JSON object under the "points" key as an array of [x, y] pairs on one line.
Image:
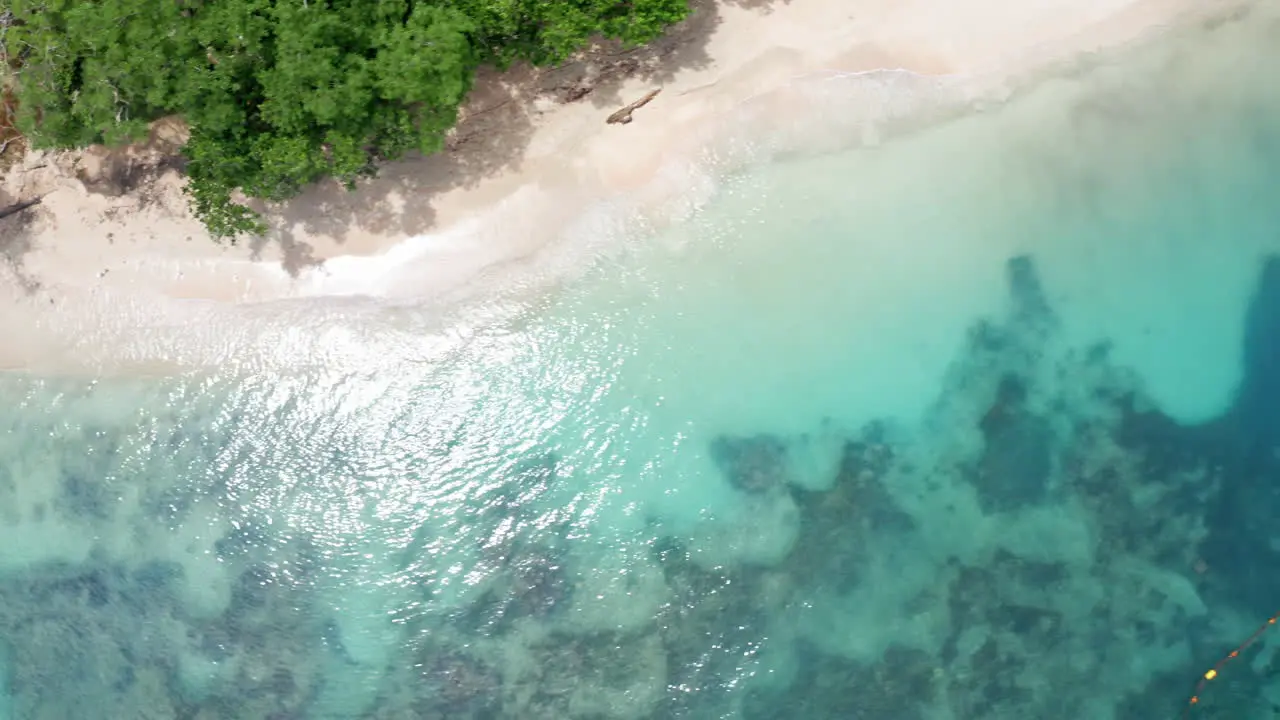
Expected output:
{"points": [[829, 686], [1240, 546], [83, 496], [245, 539], [87, 641], [752, 464], [1027, 292], [1016, 465], [529, 480], [839, 526], [530, 581], [715, 619], [1256, 414], [986, 597], [455, 684], [1236, 455]]}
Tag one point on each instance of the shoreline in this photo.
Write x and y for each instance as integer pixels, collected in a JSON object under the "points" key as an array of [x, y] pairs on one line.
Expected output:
{"points": [[92, 269]]}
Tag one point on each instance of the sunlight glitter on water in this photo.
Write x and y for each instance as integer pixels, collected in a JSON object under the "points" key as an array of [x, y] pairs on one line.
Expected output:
{"points": [[861, 438]]}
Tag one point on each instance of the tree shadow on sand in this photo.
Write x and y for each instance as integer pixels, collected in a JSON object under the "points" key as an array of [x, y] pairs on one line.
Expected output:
{"points": [[764, 6], [598, 74], [497, 123], [496, 126], [492, 137], [15, 243]]}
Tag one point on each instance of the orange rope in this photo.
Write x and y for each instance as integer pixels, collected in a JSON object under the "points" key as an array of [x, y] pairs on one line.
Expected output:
{"points": [[1214, 671]]}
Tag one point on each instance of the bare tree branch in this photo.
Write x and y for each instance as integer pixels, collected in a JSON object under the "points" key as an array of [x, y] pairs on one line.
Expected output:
{"points": [[19, 207], [623, 116]]}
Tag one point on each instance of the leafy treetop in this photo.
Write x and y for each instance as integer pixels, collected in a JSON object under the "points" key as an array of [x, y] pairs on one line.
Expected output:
{"points": [[281, 93]]}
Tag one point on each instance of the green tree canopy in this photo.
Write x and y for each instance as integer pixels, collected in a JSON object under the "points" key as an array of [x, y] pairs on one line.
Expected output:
{"points": [[281, 93]]}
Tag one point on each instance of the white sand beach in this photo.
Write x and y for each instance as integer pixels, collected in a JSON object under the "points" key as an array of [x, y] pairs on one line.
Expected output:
{"points": [[112, 255]]}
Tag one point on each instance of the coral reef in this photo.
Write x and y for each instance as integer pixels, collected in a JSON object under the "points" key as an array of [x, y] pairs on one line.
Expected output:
{"points": [[89, 642], [1048, 545]]}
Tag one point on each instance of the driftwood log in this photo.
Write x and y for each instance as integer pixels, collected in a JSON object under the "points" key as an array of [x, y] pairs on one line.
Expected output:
{"points": [[19, 207], [623, 116]]}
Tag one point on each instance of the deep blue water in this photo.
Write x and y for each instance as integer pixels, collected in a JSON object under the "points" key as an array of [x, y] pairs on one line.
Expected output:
{"points": [[980, 422]]}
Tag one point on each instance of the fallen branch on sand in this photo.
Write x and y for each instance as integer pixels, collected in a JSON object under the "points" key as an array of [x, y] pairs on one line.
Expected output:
{"points": [[19, 207], [623, 116]]}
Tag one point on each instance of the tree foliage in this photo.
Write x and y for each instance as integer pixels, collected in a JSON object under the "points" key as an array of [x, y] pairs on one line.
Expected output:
{"points": [[281, 93]]}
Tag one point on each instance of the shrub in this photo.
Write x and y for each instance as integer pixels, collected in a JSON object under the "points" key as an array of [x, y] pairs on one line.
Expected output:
{"points": [[282, 93]]}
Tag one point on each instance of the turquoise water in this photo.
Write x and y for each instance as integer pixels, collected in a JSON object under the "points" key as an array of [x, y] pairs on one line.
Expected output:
{"points": [[973, 422]]}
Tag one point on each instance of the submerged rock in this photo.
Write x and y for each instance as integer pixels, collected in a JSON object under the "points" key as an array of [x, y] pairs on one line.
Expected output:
{"points": [[594, 675], [266, 654], [455, 684], [864, 461], [839, 525], [1030, 304], [1154, 490], [980, 597], [539, 582], [83, 497], [752, 464], [87, 642], [1242, 449], [1256, 411], [716, 618], [829, 686], [1017, 460], [243, 540], [531, 581], [104, 587], [530, 479]]}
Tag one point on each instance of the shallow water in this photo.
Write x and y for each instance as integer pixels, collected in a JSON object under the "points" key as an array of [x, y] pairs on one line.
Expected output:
{"points": [[972, 422]]}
